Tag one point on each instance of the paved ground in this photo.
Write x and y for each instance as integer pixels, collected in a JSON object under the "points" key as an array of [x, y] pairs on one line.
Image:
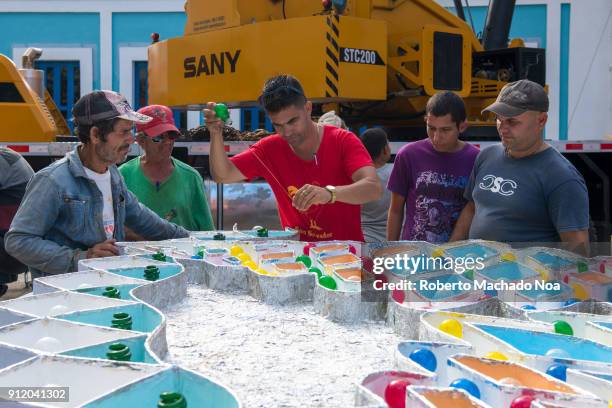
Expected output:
{"points": [[16, 289]]}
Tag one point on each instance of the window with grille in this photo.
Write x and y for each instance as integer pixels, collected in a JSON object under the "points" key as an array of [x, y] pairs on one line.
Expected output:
{"points": [[63, 82]]}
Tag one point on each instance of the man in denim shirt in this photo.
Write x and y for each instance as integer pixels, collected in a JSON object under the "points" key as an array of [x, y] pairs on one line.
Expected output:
{"points": [[76, 208]]}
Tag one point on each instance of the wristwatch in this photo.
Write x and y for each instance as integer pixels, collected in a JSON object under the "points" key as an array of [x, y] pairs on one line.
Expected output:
{"points": [[332, 191]]}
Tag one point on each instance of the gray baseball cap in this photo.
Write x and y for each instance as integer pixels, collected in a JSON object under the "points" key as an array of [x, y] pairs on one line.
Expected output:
{"points": [[103, 105], [519, 97]]}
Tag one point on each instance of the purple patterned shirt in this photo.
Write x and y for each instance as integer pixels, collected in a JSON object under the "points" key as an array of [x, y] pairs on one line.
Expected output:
{"points": [[433, 185]]}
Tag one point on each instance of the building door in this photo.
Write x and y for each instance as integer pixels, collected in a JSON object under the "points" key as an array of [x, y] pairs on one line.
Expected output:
{"points": [[63, 82]]}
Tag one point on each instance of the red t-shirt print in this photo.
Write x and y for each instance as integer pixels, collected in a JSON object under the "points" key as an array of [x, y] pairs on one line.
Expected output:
{"points": [[340, 154]]}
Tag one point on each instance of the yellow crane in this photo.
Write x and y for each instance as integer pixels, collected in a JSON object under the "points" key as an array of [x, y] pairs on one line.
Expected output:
{"points": [[375, 61], [28, 111]]}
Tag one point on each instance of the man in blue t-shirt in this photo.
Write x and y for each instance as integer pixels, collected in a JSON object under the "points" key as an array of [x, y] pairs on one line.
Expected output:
{"points": [[522, 190]]}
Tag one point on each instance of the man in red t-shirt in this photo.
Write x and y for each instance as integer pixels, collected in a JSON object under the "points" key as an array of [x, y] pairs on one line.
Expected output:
{"points": [[320, 174]]}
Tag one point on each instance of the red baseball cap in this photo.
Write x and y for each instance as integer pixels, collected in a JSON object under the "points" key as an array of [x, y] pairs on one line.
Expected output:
{"points": [[163, 121]]}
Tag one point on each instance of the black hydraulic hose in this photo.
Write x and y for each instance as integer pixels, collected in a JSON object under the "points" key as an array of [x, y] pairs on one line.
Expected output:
{"points": [[459, 8]]}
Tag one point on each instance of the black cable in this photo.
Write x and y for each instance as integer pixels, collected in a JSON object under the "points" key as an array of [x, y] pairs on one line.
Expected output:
{"points": [[401, 81], [459, 9], [467, 5], [284, 15]]}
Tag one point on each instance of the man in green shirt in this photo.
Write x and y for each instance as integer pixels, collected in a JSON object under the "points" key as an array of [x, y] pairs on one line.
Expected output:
{"points": [[169, 187]]}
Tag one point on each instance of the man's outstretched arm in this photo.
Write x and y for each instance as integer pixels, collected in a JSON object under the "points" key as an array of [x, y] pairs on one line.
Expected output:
{"points": [[395, 218], [462, 227], [576, 241], [222, 169]]}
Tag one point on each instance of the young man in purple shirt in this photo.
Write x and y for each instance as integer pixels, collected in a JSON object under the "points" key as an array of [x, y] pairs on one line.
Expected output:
{"points": [[429, 176]]}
